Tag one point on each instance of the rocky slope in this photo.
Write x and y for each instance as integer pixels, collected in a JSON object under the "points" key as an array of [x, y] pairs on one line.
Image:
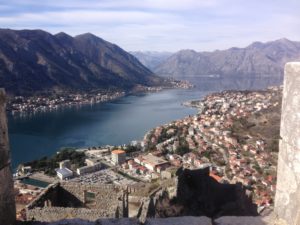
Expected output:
{"points": [[256, 60], [34, 61]]}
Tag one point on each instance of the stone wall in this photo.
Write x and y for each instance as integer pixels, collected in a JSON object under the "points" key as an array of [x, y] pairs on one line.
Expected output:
{"points": [[7, 202], [49, 214], [49, 194], [287, 200], [67, 200], [106, 196]]}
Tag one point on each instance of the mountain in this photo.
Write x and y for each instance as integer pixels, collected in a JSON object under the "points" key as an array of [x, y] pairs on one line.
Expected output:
{"points": [[36, 61], [151, 59], [256, 60]]}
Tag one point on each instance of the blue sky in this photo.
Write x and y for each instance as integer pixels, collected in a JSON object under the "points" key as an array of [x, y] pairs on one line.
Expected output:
{"points": [[160, 25]]}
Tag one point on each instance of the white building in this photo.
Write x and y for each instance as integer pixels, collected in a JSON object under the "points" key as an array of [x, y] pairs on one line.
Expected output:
{"points": [[152, 163], [65, 164], [88, 169], [26, 169], [64, 173], [118, 156]]}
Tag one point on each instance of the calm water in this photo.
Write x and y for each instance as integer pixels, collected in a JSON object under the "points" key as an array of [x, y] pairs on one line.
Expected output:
{"points": [[34, 182], [117, 122]]}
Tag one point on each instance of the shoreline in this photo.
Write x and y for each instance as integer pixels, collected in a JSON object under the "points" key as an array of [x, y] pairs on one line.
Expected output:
{"points": [[212, 136], [27, 106]]}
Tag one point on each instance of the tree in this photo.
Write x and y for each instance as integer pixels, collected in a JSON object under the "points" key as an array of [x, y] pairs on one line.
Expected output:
{"points": [[182, 149]]}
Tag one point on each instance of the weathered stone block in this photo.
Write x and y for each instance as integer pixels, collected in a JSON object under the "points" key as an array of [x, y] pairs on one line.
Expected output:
{"points": [[244, 220], [4, 147], [287, 199], [186, 220], [123, 221], [7, 203], [290, 117], [7, 198]]}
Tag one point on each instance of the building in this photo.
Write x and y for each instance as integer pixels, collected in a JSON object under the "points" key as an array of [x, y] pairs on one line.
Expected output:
{"points": [[26, 169], [118, 156], [64, 173], [92, 162], [89, 168], [65, 164], [98, 153], [152, 163]]}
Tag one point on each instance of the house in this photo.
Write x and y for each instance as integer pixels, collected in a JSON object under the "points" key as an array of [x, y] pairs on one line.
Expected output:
{"points": [[191, 131], [151, 162], [26, 169]]}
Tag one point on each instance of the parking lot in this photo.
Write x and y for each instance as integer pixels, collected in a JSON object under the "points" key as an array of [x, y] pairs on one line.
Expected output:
{"points": [[105, 176]]}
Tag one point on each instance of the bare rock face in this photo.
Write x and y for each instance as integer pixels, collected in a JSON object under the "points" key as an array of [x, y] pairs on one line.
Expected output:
{"points": [[287, 200], [7, 202], [256, 60]]}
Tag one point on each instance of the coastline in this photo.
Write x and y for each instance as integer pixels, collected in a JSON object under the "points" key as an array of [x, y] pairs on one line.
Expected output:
{"points": [[213, 136], [25, 106]]}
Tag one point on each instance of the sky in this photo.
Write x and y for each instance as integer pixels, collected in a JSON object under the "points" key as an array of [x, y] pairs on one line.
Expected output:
{"points": [[160, 25]]}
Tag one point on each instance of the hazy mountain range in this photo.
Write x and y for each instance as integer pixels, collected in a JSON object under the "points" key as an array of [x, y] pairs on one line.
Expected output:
{"points": [[256, 60], [34, 60], [151, 59]]}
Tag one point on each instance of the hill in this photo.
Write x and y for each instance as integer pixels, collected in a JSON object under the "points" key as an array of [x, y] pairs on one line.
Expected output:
{"points": [[36, 61], [256, 60]]}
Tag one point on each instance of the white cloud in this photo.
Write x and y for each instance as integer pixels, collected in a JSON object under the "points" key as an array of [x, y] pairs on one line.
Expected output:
{"points": [[166, 25]]}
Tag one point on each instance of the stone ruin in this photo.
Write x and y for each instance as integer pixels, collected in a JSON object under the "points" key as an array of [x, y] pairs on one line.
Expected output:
{"points": [[195, 193], [199, 194], [72, 200]]}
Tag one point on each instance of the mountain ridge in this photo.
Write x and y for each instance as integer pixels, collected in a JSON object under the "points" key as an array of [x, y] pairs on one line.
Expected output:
{"points": [[151, 59], [257, 60], [36, 61]]}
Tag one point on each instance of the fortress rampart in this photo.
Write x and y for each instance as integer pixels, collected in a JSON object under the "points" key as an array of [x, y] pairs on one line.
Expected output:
{"points": [[71, 200], [287, 200]]}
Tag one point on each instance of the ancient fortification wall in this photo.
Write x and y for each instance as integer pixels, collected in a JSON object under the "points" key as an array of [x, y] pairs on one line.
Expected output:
{"points": [[67, 200], [7, 202], [106, 196], [287, 200], [49, 214]]}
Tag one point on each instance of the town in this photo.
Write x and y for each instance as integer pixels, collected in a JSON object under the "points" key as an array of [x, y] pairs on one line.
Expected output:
{"points": [[211, 138], [26, 105]]}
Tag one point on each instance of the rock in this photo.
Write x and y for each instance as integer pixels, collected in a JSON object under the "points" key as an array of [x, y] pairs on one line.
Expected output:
{"points": [[122, 221], [186, 220], [244, 220], [7, 198], [287, 199]]}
